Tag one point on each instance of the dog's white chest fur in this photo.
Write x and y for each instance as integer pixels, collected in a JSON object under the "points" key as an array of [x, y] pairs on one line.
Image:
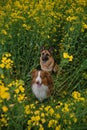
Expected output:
{"points": [[40, 92]]}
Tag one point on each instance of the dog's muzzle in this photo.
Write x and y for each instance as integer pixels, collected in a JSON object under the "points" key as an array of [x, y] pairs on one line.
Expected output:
{"points": [[44, 58]]}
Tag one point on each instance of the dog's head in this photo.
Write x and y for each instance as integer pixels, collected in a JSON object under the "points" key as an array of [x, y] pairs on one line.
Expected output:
{"points": [[40, 77], [46, 54]]}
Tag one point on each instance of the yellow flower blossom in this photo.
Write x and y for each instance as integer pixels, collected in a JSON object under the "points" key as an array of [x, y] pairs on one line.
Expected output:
{"points": [[42, 115], [41, 127], [43, 120], [71, 18], [4, 94], [4, 32], [75, 119], [57, 116], [47, 108], [71, 28], [17, 91], [65, 55], [51, 111], [27, 109], [37, 112], [70, 58], [37, 118], [6, 62], [52, 123], [59, 104], [2, 65], [65, 108], [5, 108], [77, 96], [21, 97], [2, 76], [84, 26], [21, 88], [58, 127], [3, 121]]}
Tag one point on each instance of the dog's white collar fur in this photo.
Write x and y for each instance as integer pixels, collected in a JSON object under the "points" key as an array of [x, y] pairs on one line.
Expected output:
{"points": [[40, 92]]}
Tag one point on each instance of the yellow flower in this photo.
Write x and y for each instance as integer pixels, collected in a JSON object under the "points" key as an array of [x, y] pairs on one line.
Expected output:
{"points": [[37, 112], [75, 119], [51, 111], [21, 97], [17, 91], [47, 108], [32, 106], [37, 118], [58, 127], [70, 58], [27, 109], [33, 118], [17, 4], [2, 76], [4, 32], [5, 108], [6, 62], [2, 65], [29, 122], [57, 116], [3, 92], [65, 108], [71, 28], [71, 18], [42, 114], [21, 88], [59, 104], [4, 59], [7, 54], [84, 26], [43, 120], [65, 55], [41, 127], [3, 121], [52, 123], [76, 95]]}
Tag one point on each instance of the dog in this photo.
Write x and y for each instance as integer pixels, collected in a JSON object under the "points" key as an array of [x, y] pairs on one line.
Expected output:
{"points": [[47, 61], [42, 84]]}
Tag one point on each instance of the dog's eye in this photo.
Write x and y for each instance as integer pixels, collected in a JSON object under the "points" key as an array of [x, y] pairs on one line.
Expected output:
{"points": [[47, 54], [42, 53]]}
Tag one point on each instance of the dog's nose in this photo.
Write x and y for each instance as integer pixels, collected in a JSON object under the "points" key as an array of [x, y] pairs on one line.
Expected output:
{"points": [[44, 58], [38, 83]]}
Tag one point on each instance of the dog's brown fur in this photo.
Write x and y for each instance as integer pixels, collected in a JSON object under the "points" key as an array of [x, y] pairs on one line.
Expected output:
{"points": [[47, 62]]}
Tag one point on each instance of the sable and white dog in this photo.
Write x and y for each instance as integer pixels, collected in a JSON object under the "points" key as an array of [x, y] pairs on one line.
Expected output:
{"points": [[42, 84], [47, 61]]}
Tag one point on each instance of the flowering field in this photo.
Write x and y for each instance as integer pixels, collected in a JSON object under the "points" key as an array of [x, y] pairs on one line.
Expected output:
{"points": [[25, 26]]}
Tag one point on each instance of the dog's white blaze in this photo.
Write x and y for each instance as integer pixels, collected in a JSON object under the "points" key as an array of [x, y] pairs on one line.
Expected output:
{"points": [[40, 93], [38, 79]]}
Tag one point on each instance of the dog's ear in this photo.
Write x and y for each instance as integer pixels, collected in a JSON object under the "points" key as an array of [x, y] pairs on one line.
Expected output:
{"points": [[42, 48], [48, 75], [51, 50], [33, 72]]}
